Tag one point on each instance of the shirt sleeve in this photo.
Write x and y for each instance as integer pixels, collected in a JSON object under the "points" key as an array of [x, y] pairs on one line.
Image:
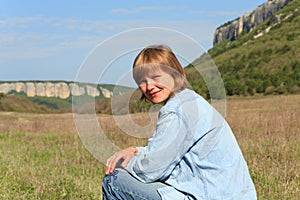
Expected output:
{"points": [[170, 142]]}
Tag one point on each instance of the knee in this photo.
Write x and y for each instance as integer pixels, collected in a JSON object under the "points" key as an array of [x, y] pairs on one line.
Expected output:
{"points": [[108, 180], [110, 186], [113, 180], [107, 188]]}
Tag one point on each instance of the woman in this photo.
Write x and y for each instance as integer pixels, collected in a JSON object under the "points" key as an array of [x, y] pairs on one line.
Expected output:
{"points": [[192, 154]]}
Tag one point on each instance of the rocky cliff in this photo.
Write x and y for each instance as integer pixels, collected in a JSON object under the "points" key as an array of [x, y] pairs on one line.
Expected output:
{"points": [[247, 22], [54, 89]]}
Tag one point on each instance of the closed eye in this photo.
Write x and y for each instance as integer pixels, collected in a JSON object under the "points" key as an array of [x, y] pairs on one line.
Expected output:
{"points": [[154, 77]]}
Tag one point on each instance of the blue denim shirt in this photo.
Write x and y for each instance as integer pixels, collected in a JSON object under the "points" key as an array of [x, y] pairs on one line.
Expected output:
{"points": [[194, 152]]}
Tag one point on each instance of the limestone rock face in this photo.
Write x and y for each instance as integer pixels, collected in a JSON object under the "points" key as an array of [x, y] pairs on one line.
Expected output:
{"points": [[92, 91], [50, 89], [20, 87], [7, 87], [76, 90], [106, 93], [248, 21], [40, 89], [30, 89], [61, 90]]}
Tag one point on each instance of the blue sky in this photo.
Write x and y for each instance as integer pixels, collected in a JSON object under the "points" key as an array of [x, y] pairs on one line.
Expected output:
{"points": [[52, 39]]}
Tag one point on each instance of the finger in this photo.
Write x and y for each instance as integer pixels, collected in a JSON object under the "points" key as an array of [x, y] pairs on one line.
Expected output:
{"points": [[108, 165], [107, 170], [125, 162], [111, 164]]}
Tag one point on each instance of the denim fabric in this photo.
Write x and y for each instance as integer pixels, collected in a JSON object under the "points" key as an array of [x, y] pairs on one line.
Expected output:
{"points": [[120, 185], [194, 151]]}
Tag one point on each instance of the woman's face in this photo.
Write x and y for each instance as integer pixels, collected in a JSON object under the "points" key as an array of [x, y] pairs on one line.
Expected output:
{"points": [[157, 86]]}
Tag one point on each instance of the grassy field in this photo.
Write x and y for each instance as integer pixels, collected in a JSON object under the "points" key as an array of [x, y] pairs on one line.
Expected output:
{"points": [[42, 157]]}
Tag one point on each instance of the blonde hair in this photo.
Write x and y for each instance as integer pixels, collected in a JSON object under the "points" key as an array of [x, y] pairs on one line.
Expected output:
{"points": [[160, 57]]}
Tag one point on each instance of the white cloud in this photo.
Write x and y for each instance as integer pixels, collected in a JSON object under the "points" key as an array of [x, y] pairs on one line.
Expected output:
{"points": [[53, 45], [20, 47], [123, 11], [37, 37], [18, 22]]}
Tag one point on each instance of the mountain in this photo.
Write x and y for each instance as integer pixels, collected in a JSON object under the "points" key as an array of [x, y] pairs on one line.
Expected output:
{"points": [[55, 96], [264, 59], [231, 30], [61, 89]]}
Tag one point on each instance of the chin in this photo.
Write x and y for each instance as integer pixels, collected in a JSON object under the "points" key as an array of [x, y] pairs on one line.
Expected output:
{"points": [[157, 101]]}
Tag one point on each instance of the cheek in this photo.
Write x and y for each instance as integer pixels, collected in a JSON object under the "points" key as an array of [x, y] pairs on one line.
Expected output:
{"points": [[142, 89], [169, 84]]}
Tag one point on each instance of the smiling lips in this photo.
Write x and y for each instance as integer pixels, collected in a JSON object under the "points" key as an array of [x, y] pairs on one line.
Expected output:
{"points": [[154, 94]]}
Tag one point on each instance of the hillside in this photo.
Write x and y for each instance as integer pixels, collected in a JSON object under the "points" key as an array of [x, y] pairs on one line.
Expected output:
{"points": [[244, 24], [265, 60], [55, 96], [21, 104]]}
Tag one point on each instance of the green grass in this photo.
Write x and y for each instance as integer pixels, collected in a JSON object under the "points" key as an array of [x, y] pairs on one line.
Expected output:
{"points": [[42, 157], [47, 166]]}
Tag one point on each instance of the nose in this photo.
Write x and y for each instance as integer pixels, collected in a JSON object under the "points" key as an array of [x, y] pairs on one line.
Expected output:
{"points": [[150, 85]]}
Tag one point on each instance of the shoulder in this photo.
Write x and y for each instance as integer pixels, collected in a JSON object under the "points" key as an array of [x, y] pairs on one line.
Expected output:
{"points": [[184, 98], [187, 102]]}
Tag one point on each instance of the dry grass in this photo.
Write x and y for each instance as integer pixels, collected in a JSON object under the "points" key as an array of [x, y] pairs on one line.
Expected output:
{"points": [[42, 157], [268, 131]]}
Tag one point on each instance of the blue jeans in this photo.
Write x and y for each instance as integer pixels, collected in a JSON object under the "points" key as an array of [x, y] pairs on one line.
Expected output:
{"points": [[120, 185]]}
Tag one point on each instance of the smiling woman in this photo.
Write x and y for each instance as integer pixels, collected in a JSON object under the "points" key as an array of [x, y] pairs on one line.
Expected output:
{"points": [[157, 87], [154, 76], [192, 154]]}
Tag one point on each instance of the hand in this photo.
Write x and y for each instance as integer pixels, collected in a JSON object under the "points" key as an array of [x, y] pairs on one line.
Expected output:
{"points": [[121, 157]]}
